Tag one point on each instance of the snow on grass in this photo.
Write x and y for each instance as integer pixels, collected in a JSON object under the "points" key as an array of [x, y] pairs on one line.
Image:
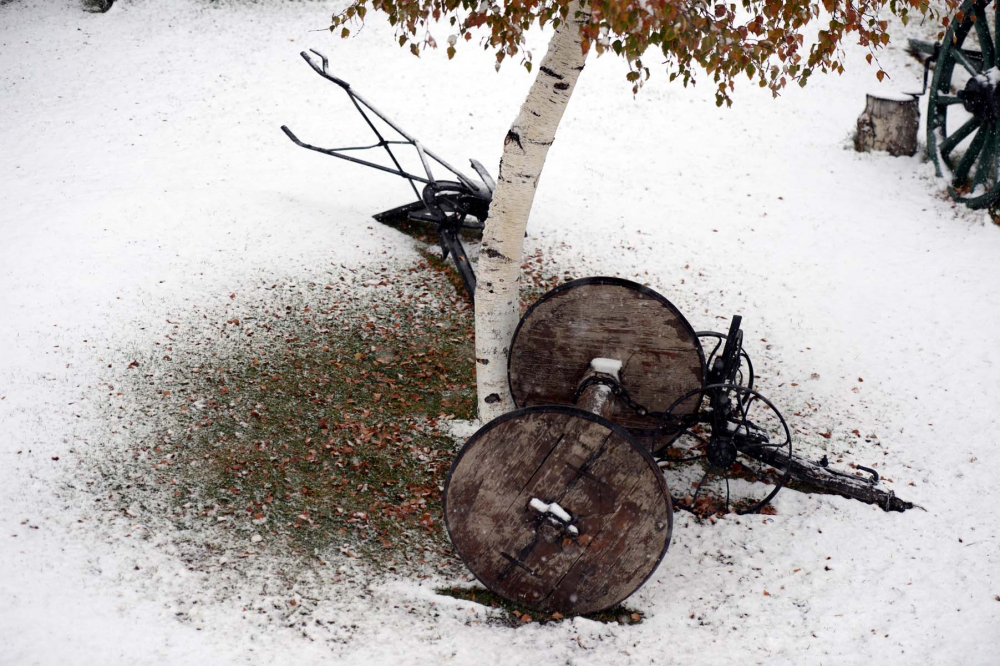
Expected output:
{"points": [[306, 413], [143, 178]]}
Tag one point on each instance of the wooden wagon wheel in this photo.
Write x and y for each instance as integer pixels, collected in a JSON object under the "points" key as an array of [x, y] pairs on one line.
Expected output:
{"points": [[963, 109], [558, 509], [604, 317]]}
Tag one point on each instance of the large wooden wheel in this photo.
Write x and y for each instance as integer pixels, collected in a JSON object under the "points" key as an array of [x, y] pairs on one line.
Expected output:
{"points": [[605, 317], [558, 510], [963, 109]]}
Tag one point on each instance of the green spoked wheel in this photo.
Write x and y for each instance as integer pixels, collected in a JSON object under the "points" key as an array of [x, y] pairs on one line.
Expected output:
{"points": [[963, 110]]}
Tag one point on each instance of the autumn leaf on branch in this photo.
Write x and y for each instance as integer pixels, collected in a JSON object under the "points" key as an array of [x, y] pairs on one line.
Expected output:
{"points": [[760, 39]]}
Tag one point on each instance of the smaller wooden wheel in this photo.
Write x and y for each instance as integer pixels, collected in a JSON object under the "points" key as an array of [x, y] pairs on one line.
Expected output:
{"points": [[558, 510], [605, 317]]}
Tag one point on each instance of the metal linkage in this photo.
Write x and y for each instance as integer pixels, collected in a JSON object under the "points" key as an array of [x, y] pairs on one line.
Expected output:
{"points": [[449, 205], [715, 449]]}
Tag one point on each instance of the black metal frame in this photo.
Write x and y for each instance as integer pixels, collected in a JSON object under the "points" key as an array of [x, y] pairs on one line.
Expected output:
{"points": [[729, 395], [723, 402], [446, 204]]}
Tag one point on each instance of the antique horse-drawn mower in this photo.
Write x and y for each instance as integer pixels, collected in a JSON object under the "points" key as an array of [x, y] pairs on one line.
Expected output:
{"points": [[963, 106], [449, 206], [562, 504]]}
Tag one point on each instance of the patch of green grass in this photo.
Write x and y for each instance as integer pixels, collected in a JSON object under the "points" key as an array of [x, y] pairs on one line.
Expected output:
{"points": [[317, 421], [514, 616], [315, 416]]}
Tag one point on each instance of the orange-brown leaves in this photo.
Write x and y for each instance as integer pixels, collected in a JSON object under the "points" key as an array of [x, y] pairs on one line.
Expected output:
{"points": [[763, 41]]}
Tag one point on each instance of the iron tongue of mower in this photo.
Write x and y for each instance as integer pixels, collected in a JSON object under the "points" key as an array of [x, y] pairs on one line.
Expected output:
{"points": [[448, 205]]}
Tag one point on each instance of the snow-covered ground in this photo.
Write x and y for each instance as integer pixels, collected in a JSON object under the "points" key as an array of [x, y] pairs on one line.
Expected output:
{"points": [[142, 175]]}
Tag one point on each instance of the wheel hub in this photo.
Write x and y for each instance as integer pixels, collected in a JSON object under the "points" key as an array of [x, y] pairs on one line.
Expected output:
{"points": [[981, 96], [721, 452]]}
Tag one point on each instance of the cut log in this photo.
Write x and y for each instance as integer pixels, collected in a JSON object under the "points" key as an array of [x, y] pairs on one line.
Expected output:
{"points": [[822, 478], [888, 123]]}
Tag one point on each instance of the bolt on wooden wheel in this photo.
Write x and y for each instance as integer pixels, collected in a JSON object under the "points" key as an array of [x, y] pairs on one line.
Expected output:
{"points": [[717, 466], [558, 510], [963, 107]]}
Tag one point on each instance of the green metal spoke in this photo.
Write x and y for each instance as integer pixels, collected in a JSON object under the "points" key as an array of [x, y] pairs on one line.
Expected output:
{"points": [[983, 32], [996, 156], [960, 58], [965, 130], [969, 158], [947, 100], [985, 163], [996, 23]]}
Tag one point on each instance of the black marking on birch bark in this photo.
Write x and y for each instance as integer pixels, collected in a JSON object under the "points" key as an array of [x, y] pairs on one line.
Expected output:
{"points": [[539, 143], [549, 72], [513, 136], [494, 254], [492, 397], [579, 68], [562, 85], [484, 361]]}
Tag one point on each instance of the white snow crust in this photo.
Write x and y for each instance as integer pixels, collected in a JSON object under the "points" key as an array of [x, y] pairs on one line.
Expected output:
{"points": [[551, 507], [142, 172], [607, 366]]}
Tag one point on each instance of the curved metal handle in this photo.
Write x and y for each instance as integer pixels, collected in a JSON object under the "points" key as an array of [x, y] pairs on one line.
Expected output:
{"points": [[322, 70]]}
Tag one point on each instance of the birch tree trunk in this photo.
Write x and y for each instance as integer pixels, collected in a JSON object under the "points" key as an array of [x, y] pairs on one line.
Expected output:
{"points": [[499, 267]]}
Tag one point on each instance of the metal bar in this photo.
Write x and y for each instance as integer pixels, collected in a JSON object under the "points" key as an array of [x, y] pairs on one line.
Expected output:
{"points": [[921, 46], [948, 100], [356, 98], [403, 132], [956, 138], [450, 240], [326, 151], [322, 72], [971, 154], [813, 474], [985, 39], [374, 145], [462, 177], [961, 59], [399, 213], [996, 28], [423, 159], [382, 142], [484, 175], [985, 163]]}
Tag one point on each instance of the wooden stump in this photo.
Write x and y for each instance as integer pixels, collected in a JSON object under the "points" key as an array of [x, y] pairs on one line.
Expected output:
{"points": [[888, 123], [558, 510]]}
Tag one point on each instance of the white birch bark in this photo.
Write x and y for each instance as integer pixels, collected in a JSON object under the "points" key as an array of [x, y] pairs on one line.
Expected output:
{"points": [[498, 270]]}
